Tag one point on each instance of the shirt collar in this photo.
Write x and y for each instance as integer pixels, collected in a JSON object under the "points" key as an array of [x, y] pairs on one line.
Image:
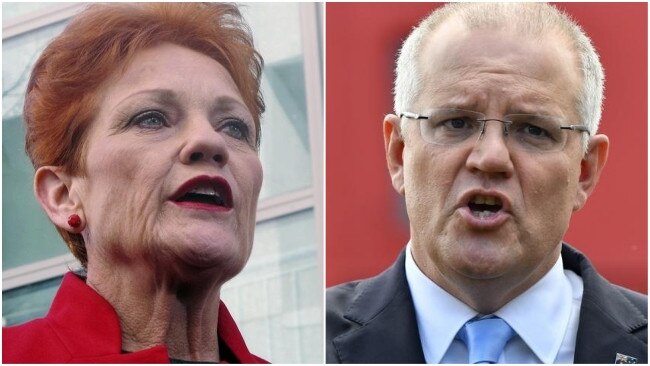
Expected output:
{"points": [[540, 315], [440, 315]]}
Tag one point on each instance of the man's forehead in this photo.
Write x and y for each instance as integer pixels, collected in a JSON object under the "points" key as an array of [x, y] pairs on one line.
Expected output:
{"points": [[446, 35], [453, 52]]}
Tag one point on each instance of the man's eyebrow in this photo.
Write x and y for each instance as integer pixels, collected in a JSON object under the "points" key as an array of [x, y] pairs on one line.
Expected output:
{"points": [[465, 105]]}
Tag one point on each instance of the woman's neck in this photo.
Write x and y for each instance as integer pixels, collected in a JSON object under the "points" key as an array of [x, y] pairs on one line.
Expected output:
{"points": [[156, 309]]}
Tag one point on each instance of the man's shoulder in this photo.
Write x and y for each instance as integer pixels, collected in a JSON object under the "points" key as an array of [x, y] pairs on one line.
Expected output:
{"points": [[338, 300], [613, 319], [639, 300], [634, 307], [597, 286], [373, 320], [339, 297], [368, 295], [344, 304]]}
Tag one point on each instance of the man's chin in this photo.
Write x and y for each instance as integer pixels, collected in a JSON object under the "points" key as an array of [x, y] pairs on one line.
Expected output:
{"points": [[482, 259], [481, 272]]}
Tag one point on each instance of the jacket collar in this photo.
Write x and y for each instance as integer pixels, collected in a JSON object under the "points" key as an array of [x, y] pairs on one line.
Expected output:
{"points": [[384, 311], [89, 328], [610, 321]]}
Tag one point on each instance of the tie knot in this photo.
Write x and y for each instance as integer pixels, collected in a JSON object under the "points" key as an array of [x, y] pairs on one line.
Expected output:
{"points": [[485, 338]]}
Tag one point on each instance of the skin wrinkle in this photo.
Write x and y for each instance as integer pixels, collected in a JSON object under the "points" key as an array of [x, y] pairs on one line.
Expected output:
{"points": [[536, 101], [161, 266], [120, 250], [486, 268]]}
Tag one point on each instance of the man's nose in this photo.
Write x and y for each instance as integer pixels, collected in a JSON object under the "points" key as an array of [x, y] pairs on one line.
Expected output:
{"points": [[490, 153], [203, 143]]}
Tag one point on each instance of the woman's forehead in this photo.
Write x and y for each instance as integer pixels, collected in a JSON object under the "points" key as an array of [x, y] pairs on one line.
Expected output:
{"points": [[169, 72]]}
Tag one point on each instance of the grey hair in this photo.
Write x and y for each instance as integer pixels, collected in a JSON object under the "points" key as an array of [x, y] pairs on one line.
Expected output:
{"points": [[528, 18]]}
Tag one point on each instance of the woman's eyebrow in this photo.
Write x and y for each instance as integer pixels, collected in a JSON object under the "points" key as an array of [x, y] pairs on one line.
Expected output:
{"points": [[165, 96], [226, 104]]}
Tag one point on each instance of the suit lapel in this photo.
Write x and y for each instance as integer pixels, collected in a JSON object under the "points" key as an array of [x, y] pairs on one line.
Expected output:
{"points": [[387, 331], [608, 319]]}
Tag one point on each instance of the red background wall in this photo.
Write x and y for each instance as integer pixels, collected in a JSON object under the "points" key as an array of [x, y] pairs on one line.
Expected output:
{"points": [[366, 223]]}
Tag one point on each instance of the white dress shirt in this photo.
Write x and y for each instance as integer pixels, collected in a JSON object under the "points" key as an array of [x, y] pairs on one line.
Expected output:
{"points": [[545, 318]]}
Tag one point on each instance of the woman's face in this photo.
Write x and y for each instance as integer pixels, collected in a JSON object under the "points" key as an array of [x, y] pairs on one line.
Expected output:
{"points": [[172, 172]]}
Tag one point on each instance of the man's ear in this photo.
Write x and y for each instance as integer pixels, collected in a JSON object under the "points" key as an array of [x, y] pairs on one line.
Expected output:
{"points": [[591, 167], [52, 190], [394, 144]]}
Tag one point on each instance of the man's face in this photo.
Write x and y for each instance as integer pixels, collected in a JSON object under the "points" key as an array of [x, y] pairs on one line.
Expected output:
{"points": [[495, 72]]}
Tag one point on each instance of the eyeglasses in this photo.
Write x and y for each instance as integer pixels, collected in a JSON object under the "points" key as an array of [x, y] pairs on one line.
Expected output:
{"points": [[533, 133]]}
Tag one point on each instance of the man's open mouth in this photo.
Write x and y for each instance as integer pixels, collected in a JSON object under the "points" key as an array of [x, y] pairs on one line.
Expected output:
{"points": [[484, 206]]}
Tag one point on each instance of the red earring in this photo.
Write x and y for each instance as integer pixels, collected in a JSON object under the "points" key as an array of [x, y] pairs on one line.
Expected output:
{"points": [[74, 220]]}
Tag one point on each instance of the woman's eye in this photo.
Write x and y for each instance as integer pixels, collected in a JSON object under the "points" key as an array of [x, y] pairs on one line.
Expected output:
{"points": [[236, 128], [151, 120]]}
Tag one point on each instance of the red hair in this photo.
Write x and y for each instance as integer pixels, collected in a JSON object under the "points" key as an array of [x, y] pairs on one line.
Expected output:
{"points": [[61, 96]]}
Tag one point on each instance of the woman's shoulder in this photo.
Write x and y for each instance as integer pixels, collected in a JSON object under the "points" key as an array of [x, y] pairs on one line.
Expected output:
{"points": [[32, 342], [80, 327], [66, 329]]}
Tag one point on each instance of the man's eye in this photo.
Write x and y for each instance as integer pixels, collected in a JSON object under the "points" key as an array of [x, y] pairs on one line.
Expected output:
{"points": [[151, 120], [236, 128], [456, 123], [535, 131]]}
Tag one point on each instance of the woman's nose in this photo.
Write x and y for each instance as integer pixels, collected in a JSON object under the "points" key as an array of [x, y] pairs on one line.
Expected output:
{"points": [[204, 143]]}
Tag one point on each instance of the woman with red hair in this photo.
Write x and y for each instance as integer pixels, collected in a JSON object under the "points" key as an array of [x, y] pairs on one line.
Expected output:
{"points": [[143, 125]]}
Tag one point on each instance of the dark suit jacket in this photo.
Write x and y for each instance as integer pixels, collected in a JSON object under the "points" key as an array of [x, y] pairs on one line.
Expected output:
{"points": [[373, 320]]}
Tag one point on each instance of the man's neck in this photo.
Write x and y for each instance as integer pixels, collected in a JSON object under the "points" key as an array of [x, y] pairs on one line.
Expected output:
{"points": [[485, 296]]}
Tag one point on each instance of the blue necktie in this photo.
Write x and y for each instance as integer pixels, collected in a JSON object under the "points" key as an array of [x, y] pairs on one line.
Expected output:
{"points": [[485, 338]]}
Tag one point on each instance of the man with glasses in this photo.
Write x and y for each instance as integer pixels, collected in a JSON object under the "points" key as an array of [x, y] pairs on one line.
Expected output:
{"points": [[493, 145]]}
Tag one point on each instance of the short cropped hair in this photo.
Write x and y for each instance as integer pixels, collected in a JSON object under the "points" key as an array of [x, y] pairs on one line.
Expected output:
{"points": [[528, 18], [62, 94]]}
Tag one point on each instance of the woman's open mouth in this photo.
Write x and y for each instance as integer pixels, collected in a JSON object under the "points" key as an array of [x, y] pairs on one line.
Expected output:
{"points": [[204, 193]]}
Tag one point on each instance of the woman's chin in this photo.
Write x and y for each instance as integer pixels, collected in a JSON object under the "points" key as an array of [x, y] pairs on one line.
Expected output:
{"points": [[212, 255]]}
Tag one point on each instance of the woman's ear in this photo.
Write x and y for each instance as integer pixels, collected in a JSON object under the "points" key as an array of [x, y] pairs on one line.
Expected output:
{"points": [[52, 190]]}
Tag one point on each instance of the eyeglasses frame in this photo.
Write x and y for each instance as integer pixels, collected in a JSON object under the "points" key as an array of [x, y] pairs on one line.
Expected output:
{"points": [[506, 123]]}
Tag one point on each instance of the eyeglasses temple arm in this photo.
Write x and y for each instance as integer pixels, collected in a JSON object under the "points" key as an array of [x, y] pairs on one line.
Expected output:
{"points": [[581, 128], [412, 115]]}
